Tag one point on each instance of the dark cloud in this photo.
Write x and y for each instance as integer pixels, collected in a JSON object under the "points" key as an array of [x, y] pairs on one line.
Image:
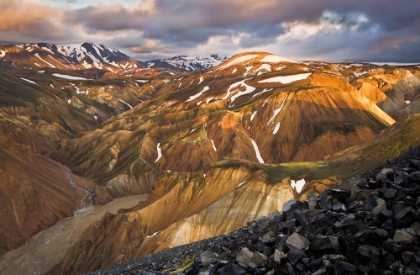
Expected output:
{"points": [[379, 28]]}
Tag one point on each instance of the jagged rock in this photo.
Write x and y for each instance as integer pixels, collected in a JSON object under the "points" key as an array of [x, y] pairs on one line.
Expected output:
{"points": [[392, 246], [267, 236], [232, 269], [407, 256], [363, 194], [278, 255], [403, 236], [380, 206], [414, 163], [370, 203], [325, 245], [294, 256], [244, 257], [340, 195], [325, 202], [367, 254], [384, 174], [207, 257], [258, 258], [405, 217], [415, 177], [297, 242], [342, 267]]}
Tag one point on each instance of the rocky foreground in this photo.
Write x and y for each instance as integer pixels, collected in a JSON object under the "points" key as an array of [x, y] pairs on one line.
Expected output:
{"points": [[368, 225]]}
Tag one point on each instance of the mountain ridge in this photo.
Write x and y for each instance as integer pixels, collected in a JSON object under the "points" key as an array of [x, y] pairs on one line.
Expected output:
{"points": [[236, 140]]}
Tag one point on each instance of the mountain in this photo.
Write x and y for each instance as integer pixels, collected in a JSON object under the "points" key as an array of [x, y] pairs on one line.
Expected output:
{"points": [[97, 60], [187, 63], [229, 143]]}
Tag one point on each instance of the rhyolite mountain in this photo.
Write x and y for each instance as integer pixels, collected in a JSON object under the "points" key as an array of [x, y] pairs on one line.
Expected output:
{"points": [[212, 148], [89, 59], [187, 63]]}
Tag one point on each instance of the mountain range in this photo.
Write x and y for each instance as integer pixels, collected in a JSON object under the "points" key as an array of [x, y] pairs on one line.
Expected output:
{"points": [[209, 145]]}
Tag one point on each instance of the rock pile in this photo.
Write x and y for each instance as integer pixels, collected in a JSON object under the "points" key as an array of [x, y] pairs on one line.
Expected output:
{"points": [[368, 225]]}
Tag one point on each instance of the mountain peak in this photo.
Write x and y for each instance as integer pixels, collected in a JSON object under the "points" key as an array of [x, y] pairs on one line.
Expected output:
{"points": [[247, 57]]}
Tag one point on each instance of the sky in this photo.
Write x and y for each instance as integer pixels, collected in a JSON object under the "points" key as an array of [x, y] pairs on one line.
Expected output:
{"points": [[323, 30]]}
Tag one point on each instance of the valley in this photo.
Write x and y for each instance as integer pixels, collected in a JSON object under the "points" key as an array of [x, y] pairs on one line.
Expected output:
{"points": [[114, 159]]}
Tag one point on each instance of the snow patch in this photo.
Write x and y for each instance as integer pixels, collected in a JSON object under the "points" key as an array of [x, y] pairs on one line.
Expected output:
{"points": [[154, 234], [159, 152], [198, 94], [359, 74], [122, 101], [3, 53], [70, 77], [235, 87], [276, 129], [257, 151], [407, 101], [276, 58], [46, 62], [214, 146], [278, 110], [263, 91], [298, 185], [201, 80], [41, 72], [142, 81], [253, 115], [286, 79], [266, 67], [52, 86], [209, 99], [239, 59], [242, 183], [30, 81], [69, 101]]}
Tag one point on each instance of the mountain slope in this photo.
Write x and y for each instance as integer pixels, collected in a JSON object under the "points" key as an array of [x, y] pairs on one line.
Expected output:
{"points": [[189, 211], [87, 58], [234, 141], [209, 146], [187, 63]]}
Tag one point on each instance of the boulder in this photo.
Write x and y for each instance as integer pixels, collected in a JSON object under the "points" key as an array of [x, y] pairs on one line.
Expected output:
{"points": [[297, 242], [244, 257]]}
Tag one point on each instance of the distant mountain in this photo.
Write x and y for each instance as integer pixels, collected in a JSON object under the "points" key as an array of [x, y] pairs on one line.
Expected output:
{"points": [[73, 57], [187, 63]]}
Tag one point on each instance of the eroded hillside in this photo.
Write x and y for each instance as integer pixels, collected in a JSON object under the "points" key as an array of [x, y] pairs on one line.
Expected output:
{"points": [[230, 143]]}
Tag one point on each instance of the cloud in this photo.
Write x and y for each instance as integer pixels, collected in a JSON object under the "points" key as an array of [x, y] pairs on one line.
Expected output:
{"points": [[329, 28], [29, 19]]}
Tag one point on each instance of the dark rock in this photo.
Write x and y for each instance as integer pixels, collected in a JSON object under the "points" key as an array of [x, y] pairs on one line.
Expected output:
{"points": [[294, 256], [405, 217], [325, 202], [340, 195], [367, 254], [415, 177], [324, 245], [406, 257], [414, 163], [290, 210], [370, 203], [341, 268], [300, 217], [232, 269], [391, 246], [315, 264]]}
